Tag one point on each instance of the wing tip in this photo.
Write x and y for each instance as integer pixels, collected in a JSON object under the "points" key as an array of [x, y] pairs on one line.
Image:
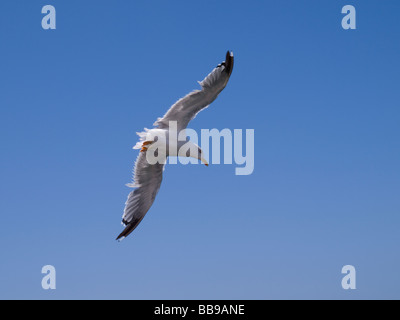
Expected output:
{"points": [[229, 62], [127, 230], [124, 234], [129, 227]]}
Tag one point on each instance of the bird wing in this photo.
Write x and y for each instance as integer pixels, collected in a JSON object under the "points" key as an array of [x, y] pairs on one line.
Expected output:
{"points": [[185, 109], [147, 181]]}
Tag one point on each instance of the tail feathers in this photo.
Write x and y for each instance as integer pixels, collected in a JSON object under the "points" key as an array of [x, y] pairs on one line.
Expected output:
{"points": [[142, 137]]}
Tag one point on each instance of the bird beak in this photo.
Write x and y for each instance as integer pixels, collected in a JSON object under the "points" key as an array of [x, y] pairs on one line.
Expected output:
{"points": [[204, 161]]}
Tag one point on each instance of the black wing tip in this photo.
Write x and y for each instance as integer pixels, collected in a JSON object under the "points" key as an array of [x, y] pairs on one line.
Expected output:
{"points": [[130, 226], [128, 229], [124, 233], [229, 62]]}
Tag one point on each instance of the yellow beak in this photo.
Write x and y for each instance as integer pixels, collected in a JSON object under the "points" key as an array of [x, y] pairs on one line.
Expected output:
{"points": [[204, 161]]}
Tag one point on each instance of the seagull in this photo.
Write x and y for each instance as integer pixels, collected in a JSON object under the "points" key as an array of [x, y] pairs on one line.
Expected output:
{"points": [[147, 175]]}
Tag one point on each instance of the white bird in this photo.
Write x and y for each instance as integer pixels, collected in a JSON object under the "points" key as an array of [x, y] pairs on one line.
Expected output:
{"points": [[148, 176]]}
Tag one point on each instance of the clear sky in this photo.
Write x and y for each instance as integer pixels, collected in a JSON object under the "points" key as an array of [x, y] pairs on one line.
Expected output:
{"points": [[324, 104]]}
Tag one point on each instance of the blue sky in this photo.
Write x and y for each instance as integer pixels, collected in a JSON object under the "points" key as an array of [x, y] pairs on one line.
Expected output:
{"points": [[324, 104]]}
